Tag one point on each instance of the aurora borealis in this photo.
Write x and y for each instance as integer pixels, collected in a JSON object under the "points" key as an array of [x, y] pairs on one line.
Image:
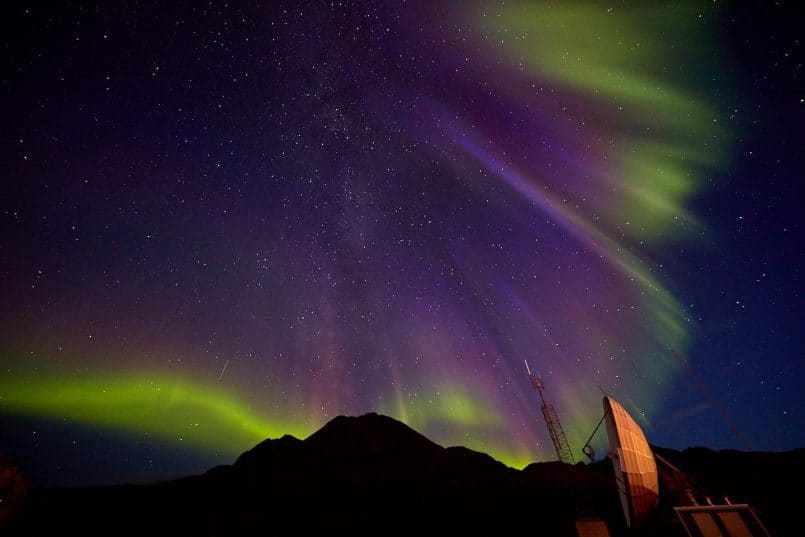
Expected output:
{"points": [[225, 223]]}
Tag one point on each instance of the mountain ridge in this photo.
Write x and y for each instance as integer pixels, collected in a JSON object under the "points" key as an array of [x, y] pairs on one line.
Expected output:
{"points": [[372, 473]]}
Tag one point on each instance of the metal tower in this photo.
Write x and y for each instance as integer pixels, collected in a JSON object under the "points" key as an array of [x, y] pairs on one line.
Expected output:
{"points": [[558, 437]]}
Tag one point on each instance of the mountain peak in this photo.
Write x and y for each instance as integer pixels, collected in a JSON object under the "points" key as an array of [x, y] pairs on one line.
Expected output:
{"points": [[370, 435], [270, 450]]}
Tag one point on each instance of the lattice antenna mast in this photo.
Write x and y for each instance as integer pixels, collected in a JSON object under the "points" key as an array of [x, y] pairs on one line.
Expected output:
{"points": [[558, 437]]}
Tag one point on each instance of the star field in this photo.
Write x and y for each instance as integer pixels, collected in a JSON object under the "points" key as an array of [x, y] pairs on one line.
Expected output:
{"points": [[225, 222]]}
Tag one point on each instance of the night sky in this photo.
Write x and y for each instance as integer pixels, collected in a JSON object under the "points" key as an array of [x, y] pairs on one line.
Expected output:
{"points": [[221, 223]]}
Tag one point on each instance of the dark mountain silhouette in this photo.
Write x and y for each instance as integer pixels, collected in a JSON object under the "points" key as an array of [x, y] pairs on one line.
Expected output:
{"points": [[373, 474]]}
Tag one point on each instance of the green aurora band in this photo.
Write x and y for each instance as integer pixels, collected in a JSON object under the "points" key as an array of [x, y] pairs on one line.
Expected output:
{"points": [[167, 409], [204, 417]]}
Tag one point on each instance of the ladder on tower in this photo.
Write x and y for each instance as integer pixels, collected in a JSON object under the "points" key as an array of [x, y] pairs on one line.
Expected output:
{"points": [[560, 443]]}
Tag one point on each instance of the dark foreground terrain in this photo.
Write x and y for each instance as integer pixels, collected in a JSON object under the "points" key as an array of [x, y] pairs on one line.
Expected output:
{"points": [[373, 474]]}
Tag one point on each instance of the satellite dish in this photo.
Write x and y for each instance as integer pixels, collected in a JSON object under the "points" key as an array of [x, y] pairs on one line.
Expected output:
{"points": [[633, 461]]}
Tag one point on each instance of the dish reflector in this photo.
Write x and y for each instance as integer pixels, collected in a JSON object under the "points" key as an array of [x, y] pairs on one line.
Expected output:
{"points": [[635, 468]]}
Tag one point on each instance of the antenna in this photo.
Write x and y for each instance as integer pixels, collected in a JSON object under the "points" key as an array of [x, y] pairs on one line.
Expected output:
{"points": [[633, 462], [560, 443], [636, 476]]}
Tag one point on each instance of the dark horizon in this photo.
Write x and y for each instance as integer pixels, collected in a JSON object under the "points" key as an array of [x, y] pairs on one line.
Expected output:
{"points": [[358, 474]]}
